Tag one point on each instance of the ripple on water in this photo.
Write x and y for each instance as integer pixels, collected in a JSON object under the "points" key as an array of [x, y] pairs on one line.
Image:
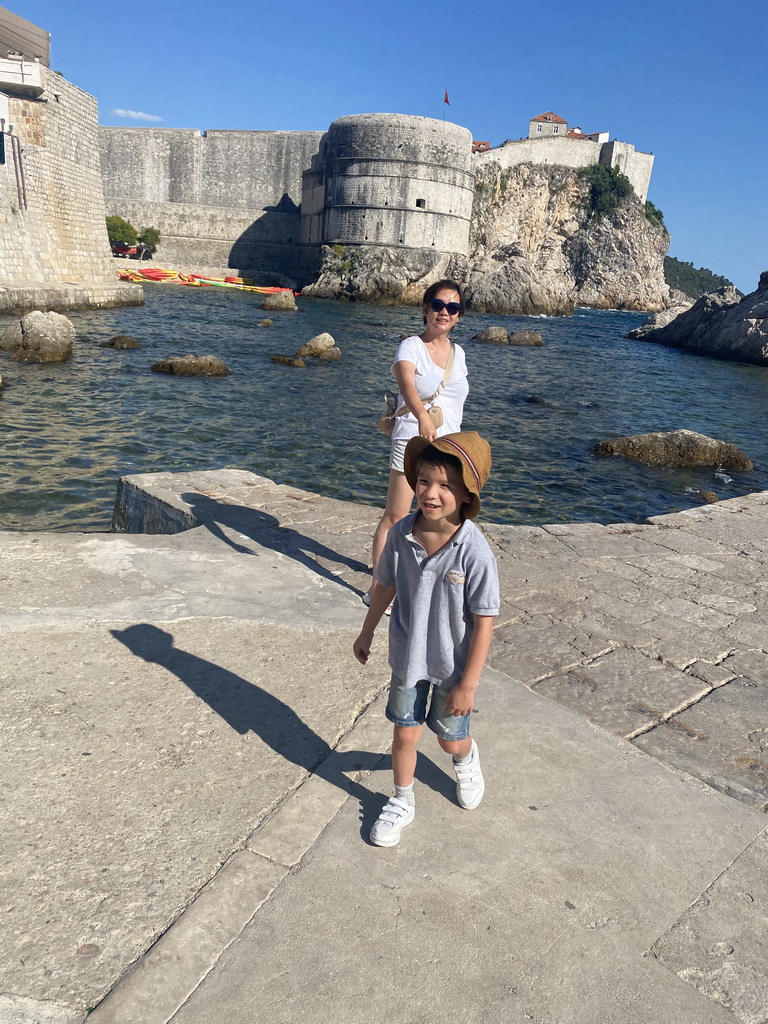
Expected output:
{"points": [[69, 431]]}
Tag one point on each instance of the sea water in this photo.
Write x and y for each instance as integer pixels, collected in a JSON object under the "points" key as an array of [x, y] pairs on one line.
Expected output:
{"points": [[70, 430]]}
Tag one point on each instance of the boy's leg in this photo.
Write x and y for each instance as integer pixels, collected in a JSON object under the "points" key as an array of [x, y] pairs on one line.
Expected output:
{"points": [[453, 736], [406, 709]]}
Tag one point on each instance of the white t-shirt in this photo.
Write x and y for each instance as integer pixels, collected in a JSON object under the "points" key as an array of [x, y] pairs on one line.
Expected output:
{"points": [[428, 376]]}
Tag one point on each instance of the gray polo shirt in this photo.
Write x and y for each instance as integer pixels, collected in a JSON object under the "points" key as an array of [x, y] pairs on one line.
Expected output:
{"points": [[431, 622]]}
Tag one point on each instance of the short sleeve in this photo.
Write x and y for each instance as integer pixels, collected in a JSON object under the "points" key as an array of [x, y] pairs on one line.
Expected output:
{"points": [[482, 587], [408, 351], [385, 570]]}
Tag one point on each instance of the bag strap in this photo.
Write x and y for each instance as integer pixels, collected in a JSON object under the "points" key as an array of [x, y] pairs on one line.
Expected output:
{"points": [[404, 410], [446, 375]]}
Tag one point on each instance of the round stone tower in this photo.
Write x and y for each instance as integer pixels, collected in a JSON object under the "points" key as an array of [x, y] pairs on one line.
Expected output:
{"points": [[390, 179]]}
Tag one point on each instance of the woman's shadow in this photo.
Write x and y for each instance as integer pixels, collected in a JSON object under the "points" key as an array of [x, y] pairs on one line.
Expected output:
{"points": [[247, 707], [266, 530]]}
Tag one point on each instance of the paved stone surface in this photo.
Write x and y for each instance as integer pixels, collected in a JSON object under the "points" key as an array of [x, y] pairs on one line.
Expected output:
{"points": [[181, 709], [720, 944]]}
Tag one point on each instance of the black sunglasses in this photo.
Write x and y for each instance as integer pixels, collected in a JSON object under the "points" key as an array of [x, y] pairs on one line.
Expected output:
{"points": [[451, 308]]}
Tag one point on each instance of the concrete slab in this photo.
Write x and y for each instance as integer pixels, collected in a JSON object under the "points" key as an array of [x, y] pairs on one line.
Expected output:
{"points": [[541, 905], [720, 944], [722, 740], [182, 708]]}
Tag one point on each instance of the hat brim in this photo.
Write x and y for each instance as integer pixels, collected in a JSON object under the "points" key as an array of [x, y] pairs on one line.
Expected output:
{"points": [[413, 453]]}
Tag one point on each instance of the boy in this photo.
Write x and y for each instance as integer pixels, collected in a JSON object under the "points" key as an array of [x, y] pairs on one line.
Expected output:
{"points": [[443, 573]]}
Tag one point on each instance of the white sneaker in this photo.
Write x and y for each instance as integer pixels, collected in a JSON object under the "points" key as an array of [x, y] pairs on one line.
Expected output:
{"points": [[470, 785], [394, 815]]}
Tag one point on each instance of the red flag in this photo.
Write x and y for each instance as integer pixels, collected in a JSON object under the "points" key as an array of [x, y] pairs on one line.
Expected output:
{"points": [[445, 98]]}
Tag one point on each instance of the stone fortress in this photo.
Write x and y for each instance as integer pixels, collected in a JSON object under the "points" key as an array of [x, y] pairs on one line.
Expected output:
{"points": [[265, 203], [54, 250], [268, 204]]}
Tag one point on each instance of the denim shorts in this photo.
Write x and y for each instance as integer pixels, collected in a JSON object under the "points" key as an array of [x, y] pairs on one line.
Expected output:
{"points": [[407, 705], [398, 453]]}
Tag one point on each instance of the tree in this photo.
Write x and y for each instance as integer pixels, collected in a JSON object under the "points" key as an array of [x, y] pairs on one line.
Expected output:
{"points": [[121, 231], [149, 240], [654, 214], [607, 188]]}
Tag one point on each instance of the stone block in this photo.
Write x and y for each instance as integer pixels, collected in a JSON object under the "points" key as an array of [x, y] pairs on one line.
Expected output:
{"points": [[622, 691], [722, 740]]}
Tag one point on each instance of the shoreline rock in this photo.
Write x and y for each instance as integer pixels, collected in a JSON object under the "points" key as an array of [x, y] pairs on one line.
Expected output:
{"points": [[722, 324], [676, 449]]}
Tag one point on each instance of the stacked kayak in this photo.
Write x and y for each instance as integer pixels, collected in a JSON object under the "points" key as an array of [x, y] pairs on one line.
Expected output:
{"points": [[159, 276]]}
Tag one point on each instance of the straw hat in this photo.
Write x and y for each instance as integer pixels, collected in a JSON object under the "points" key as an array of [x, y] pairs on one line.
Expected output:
{"points": [[472, 451]]}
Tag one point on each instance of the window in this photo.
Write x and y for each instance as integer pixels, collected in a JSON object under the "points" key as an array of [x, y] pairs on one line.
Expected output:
{"points": [[421, 203], [538, 127], [556, 129]]}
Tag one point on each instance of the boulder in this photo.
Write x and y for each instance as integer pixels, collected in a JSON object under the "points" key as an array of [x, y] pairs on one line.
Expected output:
{"points": [[39, 338], [192, 366], [493, 336], [676, 449], [279, 301], [121, 341], [722, 324], [525, 338], [265, 323], [678, 303], [315, 346], [708, 497], [331, 355], [288, 361]]}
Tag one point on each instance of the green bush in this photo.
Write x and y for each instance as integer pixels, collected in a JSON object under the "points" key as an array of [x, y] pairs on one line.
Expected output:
{"points": [[338, 249], [149, 240], [654, 214], [120, 230], [607, 188]]}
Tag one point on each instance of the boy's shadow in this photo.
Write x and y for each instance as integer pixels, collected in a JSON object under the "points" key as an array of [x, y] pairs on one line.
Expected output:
{"points": [[249, 708], [266, 530]]}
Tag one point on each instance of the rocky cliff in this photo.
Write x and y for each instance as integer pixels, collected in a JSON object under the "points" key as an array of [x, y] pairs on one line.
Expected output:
{"points": [[722, 324], [535, 248]]}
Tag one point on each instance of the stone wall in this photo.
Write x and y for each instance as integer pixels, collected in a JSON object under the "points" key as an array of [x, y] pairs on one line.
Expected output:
{"points": [[59, 233], [225, 199], [574, 153], [393, 180]]}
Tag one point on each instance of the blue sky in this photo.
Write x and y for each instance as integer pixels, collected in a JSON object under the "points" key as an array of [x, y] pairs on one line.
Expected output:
{"points": [[684, 79]]}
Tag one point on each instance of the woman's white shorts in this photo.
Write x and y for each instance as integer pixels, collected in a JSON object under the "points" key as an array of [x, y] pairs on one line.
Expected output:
{"points": [[398, 454]]}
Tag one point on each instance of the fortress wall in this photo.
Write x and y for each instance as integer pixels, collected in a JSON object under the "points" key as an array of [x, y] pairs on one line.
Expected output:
{"points": [[575, 153], [226, 199], [562, 152], [391, 179], [637, 166], [61, 235]]}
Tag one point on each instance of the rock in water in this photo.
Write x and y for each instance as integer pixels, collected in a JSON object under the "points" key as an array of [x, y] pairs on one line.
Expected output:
{"points": [[288, 361], [525, 338], [722, 324], [192, 366], [330, 355], [678, 303], [320, 343], [279, 301], [121, 341], [265, 323], [39, 338], [493, 336], [676, 449]]}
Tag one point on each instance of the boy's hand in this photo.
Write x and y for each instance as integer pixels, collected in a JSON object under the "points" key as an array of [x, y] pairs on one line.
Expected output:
{"points": [[460, 701], [361, 648]]}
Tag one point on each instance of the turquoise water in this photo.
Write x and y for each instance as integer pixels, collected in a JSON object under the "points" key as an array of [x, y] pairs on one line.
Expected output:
{"points": [[68, 431]]}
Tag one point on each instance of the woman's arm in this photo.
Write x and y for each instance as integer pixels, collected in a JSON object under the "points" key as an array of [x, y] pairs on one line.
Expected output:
{"points": [[405, 374]]}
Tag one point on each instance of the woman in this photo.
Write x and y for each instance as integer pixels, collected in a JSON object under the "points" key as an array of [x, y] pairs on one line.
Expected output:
{"points": [[419, 367]]}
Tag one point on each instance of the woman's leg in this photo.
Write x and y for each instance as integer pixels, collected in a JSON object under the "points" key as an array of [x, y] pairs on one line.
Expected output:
{"points": [[399, 500]]}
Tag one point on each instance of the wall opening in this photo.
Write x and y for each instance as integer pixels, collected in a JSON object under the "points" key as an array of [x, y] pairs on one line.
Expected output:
{"points": [[421, 203]]}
